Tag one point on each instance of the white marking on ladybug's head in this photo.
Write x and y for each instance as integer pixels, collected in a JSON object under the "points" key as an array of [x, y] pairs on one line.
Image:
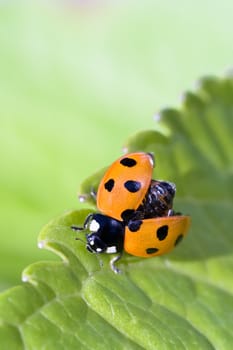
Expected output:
{"points": [[94, 226], [99, 250], [111, 250]]}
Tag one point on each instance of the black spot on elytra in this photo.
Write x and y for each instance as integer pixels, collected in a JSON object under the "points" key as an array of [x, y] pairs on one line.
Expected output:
{"points": [[129, 162], [109, 185], [134, 225], [127, 214], [151, 250], [162, 232], [132, 186], [179, 239]]}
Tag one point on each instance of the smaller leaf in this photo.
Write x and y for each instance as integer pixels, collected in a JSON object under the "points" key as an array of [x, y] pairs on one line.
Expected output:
{"points": [[89, 186]]}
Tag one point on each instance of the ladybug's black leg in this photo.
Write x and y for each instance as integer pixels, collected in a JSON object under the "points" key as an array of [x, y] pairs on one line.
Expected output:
{"points": [[87, 196], [113, 261], [93, 194], [81, 228]]}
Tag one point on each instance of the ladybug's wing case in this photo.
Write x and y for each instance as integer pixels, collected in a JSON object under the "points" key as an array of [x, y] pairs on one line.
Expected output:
{"points": [[151, 237], [125, 184]]}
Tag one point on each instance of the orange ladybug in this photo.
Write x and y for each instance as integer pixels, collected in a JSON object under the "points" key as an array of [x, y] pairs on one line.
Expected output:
{"points": [[135, 212]]}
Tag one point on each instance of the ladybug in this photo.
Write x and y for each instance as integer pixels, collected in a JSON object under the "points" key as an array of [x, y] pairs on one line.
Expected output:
{"points": [[135, 212]]}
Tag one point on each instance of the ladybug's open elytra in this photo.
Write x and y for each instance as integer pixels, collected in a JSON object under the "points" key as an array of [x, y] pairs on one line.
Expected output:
{"points": [[136, 212]]}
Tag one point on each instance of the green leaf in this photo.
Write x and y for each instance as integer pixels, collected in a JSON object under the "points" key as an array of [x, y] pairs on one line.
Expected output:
{"points": [[75, 83], [180, 301]]}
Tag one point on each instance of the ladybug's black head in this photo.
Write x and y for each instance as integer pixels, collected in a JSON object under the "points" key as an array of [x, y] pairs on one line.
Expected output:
{"points": [[95, 244], [106, 234]]}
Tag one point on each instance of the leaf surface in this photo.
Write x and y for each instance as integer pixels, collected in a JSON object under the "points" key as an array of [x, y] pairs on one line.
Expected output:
{"points": [[180, 301]]}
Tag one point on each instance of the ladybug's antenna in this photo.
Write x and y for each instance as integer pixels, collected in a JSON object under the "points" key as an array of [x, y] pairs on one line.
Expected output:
{"points": [[77, 228], [79, 239]]}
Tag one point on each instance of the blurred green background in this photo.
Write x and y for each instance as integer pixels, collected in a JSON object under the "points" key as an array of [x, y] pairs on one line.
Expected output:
{"points": [[76, 79]]}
